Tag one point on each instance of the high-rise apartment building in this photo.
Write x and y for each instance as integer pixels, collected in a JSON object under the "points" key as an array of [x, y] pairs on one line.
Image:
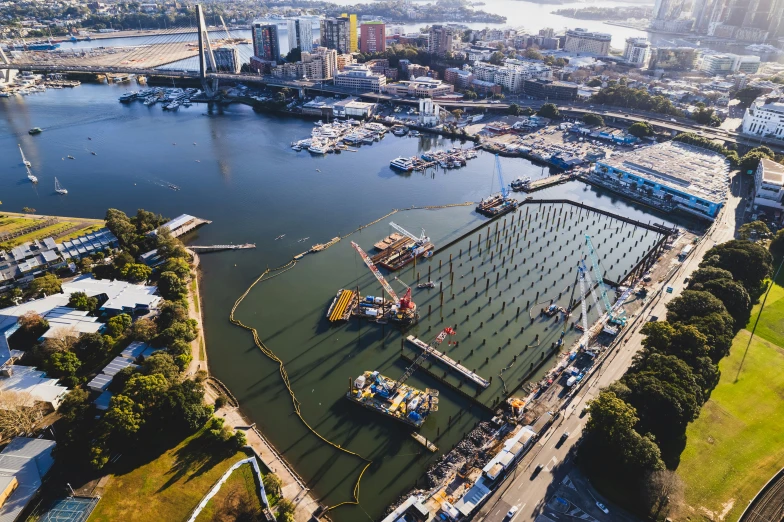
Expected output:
{"points": [[372, 37], [584, 41], [335, 34], [265, 42], [352, 32], [300, 34], [227, 59], [440, 40], [637, 51]]}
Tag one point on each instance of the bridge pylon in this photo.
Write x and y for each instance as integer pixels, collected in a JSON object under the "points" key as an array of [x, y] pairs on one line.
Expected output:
{"points": [[206, 57]]}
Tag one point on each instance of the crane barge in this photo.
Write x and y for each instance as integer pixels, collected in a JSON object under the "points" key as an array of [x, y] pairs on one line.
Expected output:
{"points": [[403, 249], [395, 398], [499, 203]]}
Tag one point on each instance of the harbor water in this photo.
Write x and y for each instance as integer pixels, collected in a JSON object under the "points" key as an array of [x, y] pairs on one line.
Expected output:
{"points": [[236, 168]]}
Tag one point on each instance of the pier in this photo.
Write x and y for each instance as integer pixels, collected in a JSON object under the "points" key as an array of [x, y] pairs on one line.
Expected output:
{"points": [[215, 248], [459, 368], [426, 443]]}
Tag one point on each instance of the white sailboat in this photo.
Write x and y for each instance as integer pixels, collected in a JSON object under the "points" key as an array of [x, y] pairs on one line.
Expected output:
{"points": [[24, 160], [58, 188], [30, 176]]}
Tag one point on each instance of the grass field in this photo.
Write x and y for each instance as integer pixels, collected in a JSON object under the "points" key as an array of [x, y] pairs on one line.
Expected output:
{"points": [[167, 488], [239, 490], [737, 443], [64, 228]]}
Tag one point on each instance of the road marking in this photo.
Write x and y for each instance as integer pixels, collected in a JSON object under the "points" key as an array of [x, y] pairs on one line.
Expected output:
{"points": [[522, 483], [551, 464]]}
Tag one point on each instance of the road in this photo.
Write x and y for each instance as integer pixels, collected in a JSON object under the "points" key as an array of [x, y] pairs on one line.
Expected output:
{"points": [[530, 492]]}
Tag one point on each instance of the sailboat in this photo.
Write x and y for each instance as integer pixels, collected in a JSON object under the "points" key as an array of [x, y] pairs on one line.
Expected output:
{"points": [[58, 188], [24, 160]]}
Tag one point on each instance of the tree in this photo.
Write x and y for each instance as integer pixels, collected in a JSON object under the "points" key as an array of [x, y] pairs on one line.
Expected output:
{"points": [[169, 247], [143, 330], [171, 287], [162, 363], [135, 272], [80, 301], [470, 95], [123, 416], [593, 119], [294, 55], [750, 161], [641, 129], [549, 110], [119, 224], [747, 95], [48, 284], [146, 221], [180, 331], [693, 303], [749, 262], [172, 312], [273, 484], [90, 346], [63, 365], [533, 54], [117, 325], [594, 82], [19, 413], [734, 296], [33, 324], [753, 230], [457, 113], [286, 509], [497, 58], [514, 109], [75, 405], [146, 390], [718, 327], [179, 266], [709, 273], [662, 491]]}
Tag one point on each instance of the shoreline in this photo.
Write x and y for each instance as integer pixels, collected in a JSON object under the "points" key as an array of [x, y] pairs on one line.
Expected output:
{"points": [[294, 487]]}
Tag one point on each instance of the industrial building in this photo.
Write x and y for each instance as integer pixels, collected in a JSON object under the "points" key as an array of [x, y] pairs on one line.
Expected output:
{"points": [[696, 180], [551, 90]]}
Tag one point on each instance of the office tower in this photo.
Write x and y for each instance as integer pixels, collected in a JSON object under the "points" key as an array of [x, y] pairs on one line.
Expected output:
{"points": [[300, 34]]}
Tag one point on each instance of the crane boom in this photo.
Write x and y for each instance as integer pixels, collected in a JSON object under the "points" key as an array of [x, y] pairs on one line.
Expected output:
{"points": [[613, 318], [421, 238], [422, 356], [374, 269], [504, 191]]}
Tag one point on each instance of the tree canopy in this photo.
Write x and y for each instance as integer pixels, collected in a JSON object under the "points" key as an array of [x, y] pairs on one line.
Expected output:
{"points": [[549, 110], [693, 303], [748, 262], [641, 129], [593, 119]]}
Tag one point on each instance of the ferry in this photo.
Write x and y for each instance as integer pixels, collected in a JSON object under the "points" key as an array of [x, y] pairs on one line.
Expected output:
{"points": [[35, 130], [398, 401], [404, 164]]}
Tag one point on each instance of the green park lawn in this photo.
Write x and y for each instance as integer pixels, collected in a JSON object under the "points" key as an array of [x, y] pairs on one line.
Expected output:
{"points": [[166, 488], [239, 490], [737, 444]]}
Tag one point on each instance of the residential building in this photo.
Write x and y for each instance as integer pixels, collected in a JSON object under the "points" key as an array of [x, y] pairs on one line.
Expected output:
{"points": [[584, 41], [335, 34], [693, 178], [416, 71], [227, 59], [722, 64], [360, 78], [23, 465], [512, 74], [551, 90], [265, 42], [352, 32], [422, 87], [637, 51], [322, 64], [440, 40], [300, 31], [372, 37], [343, 60], [460, 78], [483, 87], [381, 66], [765, 117], [769, 189], [674, 58]]}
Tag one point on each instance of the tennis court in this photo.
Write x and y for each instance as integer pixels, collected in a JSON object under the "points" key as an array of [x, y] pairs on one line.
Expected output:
{"points": [[71, 509]]}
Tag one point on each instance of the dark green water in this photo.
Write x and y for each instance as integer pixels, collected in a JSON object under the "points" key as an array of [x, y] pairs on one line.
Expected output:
{"points": [[254, 188]]}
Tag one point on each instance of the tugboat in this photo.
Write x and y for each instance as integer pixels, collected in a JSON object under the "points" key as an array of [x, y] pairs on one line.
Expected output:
{"points": [[520, 184]]}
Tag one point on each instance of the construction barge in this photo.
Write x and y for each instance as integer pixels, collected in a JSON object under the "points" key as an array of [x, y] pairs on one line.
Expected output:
{"points": [[496, 205], [392, 398], [399, 249]]}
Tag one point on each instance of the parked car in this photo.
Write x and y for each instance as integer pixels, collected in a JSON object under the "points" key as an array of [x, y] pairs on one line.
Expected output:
{"points": [[602, 507]]}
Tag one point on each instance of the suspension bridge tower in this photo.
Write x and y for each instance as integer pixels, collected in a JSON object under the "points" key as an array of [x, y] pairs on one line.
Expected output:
{"points": [[206, 58]]}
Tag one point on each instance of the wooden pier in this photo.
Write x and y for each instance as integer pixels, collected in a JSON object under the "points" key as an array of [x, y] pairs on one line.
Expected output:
{"points": [[215, 248], [459, 368]]}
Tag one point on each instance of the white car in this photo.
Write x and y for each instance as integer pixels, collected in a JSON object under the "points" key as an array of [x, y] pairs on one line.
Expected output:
{"points": [[512, 512], [603, 508]]}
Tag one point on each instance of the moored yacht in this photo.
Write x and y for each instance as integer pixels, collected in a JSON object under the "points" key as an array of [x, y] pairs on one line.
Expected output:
{"points": [[401, 163]]}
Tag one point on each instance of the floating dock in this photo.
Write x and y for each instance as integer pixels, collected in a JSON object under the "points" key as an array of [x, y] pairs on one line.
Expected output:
{"points": [[459, 368], [388, 241], [426, 443], [401, 402]]}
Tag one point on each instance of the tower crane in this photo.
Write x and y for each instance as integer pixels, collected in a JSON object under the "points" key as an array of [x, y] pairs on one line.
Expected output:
{"points": [[406, 307], [614, 316]]}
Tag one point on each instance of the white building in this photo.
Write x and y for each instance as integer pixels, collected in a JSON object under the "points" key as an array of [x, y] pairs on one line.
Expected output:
{"points": [[722, 64], [584, 41], [512, 75], [300, 32], [765, 117], [637, 51], [360, 78], [23, 465], [428, 112], [421, 87], [769, 188]]}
